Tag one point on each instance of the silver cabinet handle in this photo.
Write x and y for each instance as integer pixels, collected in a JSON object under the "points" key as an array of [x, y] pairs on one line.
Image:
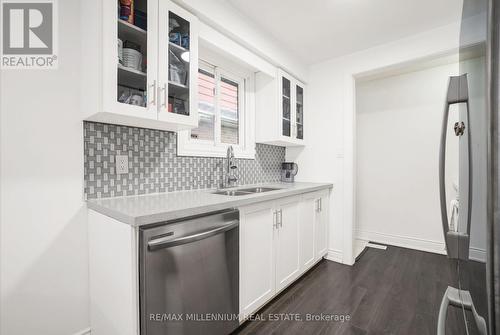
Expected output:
{"points": [[458, 298], [278, 217], [167, 241], [275, 219], [319, 205], [281, 217], [153, 85], [457, 243], [164, 90]]}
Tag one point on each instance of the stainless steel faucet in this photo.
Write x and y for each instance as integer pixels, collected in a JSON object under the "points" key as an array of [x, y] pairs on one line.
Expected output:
{"points": [[230, 178]]}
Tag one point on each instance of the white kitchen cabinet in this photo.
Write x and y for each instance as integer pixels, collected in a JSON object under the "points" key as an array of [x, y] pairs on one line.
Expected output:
{"points": [[114, 276], [321, 219], [313, 228], [178, 93], [269, 251], [308, 214], [280, 103], [257, 261], [159, 91], [287, 241]]}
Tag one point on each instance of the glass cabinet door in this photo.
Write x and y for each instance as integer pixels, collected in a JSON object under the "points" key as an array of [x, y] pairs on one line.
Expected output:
{"points": [[299, 112], [178, 64], [130, 62], [286, 107]]}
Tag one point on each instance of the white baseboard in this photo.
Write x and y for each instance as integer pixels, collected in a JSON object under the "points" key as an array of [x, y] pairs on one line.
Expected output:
{"points": [[334, 255], [436, 247], [402, 241], [477, 254], [83, 332], [358, 247]]}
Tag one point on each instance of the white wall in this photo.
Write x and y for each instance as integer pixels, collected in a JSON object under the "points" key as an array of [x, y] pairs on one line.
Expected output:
{"points": [[43, 232], [397, 140], [331, 111]]}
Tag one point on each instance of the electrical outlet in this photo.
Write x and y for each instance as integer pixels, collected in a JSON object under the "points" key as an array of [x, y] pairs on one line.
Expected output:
{"points": [[121, 164]]}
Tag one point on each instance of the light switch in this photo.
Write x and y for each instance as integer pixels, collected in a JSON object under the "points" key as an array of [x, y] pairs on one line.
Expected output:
{"points": [[121, 164]]}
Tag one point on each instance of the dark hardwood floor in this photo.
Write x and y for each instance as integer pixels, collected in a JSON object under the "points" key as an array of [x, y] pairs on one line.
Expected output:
{"points": [[396, 291]]}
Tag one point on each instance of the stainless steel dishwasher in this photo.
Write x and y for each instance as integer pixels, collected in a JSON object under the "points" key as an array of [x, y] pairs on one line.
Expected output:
{"points": [[189, 275]]}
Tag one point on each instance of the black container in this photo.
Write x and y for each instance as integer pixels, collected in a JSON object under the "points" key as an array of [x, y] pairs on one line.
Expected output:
{"points": [[141, 19]]}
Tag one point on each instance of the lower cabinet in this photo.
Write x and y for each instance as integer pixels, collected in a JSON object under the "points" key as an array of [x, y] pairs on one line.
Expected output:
{"points": [[279, 241], [313, 228], [257, 261], [286, 241], [321, 224], [307, 232]]}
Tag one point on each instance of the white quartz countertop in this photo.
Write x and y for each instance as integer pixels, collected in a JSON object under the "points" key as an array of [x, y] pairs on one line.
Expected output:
{"points": [[145, 209]]}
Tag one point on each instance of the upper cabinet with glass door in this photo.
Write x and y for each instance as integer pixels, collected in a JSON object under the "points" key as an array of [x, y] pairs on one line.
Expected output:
{"points": [[298, 132], [149, 50], [286, 106], [130, 59], [178, 66], [280, 106]]}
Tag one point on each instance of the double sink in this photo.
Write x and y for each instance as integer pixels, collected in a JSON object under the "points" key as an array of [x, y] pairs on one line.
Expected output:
{"points": [[245, 191]]}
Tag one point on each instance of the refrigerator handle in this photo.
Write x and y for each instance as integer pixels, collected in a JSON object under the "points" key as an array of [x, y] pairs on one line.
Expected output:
{"points": [[456, 242], [460, 299]]}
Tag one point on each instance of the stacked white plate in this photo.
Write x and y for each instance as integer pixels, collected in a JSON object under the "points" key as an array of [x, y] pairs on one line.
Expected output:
{"points": [[132, 58], [120, 51]]}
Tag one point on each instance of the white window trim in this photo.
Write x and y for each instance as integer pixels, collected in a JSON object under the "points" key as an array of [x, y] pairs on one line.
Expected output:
{"points": [[246, 149]]}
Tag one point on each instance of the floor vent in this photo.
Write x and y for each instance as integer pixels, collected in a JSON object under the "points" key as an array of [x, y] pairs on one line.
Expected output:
{"points": [[376, 246]]}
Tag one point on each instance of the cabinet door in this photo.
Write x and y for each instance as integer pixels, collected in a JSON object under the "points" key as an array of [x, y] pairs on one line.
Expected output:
{"points": [[257, 266], [178, 66], [308, 213], [285, 104], [130, 59], [321, 225], [298, 129], [287, 242]]}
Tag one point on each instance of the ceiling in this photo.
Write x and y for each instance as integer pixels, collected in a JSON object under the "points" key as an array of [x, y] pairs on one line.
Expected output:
{"points": [[316, 30]]}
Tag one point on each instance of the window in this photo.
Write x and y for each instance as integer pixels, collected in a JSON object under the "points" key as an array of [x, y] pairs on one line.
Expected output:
{"points": [[218, 106], [206, 107], [229, 111], [224, 111]]}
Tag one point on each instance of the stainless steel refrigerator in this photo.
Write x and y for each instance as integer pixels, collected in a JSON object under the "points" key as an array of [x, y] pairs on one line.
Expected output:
{"points": [[471, 216]]}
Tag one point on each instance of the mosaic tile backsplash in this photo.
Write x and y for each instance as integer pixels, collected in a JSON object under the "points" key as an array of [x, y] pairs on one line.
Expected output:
{"points": [[155, 167]]}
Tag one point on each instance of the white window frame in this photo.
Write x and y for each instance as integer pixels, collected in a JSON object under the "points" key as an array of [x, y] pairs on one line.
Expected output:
{"points": [[186, 146]]}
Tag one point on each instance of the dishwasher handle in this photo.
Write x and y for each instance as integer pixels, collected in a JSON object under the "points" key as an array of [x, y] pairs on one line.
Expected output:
{"points": [[167, 241]]}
